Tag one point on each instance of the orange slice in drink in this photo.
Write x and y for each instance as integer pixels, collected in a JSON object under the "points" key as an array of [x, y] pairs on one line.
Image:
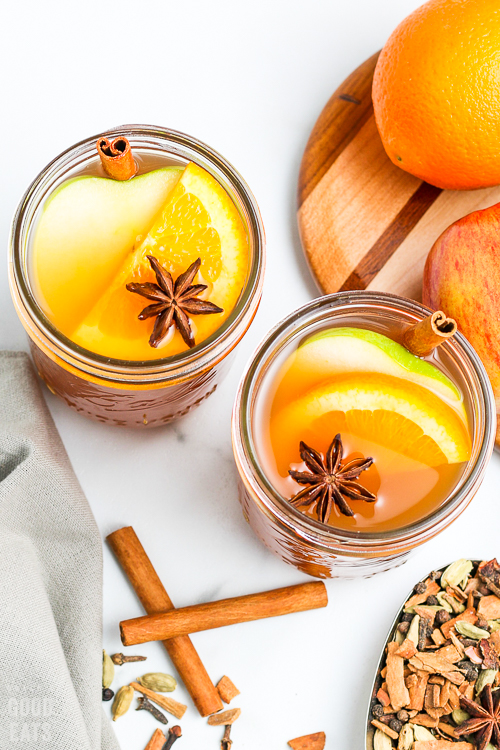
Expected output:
{"points": [[397, 414], [199, 220]]}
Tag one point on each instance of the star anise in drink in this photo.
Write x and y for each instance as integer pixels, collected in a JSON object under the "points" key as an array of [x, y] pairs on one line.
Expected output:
{"points": [[484, 719], [330, 480], [174, 301]]}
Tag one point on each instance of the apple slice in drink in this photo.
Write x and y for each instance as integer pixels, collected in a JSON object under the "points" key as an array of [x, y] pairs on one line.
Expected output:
{"points": [[349, 350], [86, 230]]}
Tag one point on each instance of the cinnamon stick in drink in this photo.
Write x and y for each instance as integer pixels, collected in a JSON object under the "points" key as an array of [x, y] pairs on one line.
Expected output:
{"points": [[179, 622], [423, 337], [153, 597], [116, 158]]}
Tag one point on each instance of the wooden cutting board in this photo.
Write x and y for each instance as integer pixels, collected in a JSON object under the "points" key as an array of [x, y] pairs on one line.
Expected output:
{"points": [[365, 223]]}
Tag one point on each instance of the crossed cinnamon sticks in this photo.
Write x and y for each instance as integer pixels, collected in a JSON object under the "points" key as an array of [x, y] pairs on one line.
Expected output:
{"points": [[172, 626]]}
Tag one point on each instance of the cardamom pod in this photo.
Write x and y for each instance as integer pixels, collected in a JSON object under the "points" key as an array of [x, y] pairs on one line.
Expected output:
{"points": [[412, 634], [158, 681], [122, 701], [405, 741], [494, 625], [422, 734], [486, 677], [459, 716], [455, 573], [381, 741], [108, 670], [471, 631], [445, 604]]}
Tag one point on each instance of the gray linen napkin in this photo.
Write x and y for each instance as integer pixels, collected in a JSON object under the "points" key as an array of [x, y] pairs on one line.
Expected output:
{"points": [[50, 582]]}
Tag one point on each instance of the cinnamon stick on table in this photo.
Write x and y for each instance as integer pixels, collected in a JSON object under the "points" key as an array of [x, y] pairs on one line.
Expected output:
{"points": [[153, 597], [179, 622], [423, 337]]}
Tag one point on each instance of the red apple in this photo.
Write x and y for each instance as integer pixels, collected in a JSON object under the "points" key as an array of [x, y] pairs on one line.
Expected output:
{"points": [[462, 278]]}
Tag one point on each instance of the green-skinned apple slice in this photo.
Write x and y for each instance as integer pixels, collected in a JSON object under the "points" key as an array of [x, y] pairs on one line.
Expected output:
{"points": [[343, 350], [85, 232]]}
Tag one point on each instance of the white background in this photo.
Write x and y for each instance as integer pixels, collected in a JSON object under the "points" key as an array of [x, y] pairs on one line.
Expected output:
{"points": [[250, 79]]}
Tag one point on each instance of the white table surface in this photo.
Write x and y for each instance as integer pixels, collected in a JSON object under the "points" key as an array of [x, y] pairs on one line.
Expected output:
{"points": [[250, 79]]}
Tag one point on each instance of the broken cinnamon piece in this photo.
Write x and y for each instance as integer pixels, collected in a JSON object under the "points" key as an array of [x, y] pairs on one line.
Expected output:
{"points": [[495, 641], [407, 649], [425, 613], [450, 653], [489, 607], [431, 588], [446, 728], [417, 692], [116, 158], [438, 637], [431, 697], [444, 696], [157, 741], [385, 729], [424, 720], [225, 717], [227, 689], [383, 697], [172, 707], [423, 337], [436, 679], [467, 690], [441, 745], [458, 645], [468, 615], [309, 742], [398, 692], [435, 663], [454, 697]]}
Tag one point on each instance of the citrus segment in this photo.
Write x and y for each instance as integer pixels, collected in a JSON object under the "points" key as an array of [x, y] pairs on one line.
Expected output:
{"points": [[400, 434], [199, 220], [386, 410]]}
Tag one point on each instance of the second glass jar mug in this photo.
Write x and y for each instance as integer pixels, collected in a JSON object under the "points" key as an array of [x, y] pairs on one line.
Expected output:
{"points": [[300, 540]]}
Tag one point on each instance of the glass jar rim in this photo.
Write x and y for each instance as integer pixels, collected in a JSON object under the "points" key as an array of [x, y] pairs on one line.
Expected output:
{"points": [[204, 355], [321, 534]]}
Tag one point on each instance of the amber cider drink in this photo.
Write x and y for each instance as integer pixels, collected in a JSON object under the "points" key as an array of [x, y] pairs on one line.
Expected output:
{"points": [[350, 449], [400, 411]]}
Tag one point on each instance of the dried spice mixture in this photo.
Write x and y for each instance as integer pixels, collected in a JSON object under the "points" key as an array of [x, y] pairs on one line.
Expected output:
{"points": [[438, 687]]}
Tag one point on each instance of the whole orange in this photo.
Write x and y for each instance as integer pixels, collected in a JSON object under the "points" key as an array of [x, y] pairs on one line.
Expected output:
{"points": [[436, 94]]}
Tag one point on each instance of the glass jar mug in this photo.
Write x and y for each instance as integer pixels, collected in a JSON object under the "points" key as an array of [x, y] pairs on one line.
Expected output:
{"points": [[299, 539], [119, 392]]}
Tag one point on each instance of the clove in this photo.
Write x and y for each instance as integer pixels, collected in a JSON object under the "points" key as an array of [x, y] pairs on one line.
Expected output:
{"points": [[226, 741], [146, 705], [120, 659], [173, 734]]}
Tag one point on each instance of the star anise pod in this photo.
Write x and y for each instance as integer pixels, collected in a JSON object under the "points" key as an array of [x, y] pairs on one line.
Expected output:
{"points": [[485, 718], [330, 481], [174, 301]]}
